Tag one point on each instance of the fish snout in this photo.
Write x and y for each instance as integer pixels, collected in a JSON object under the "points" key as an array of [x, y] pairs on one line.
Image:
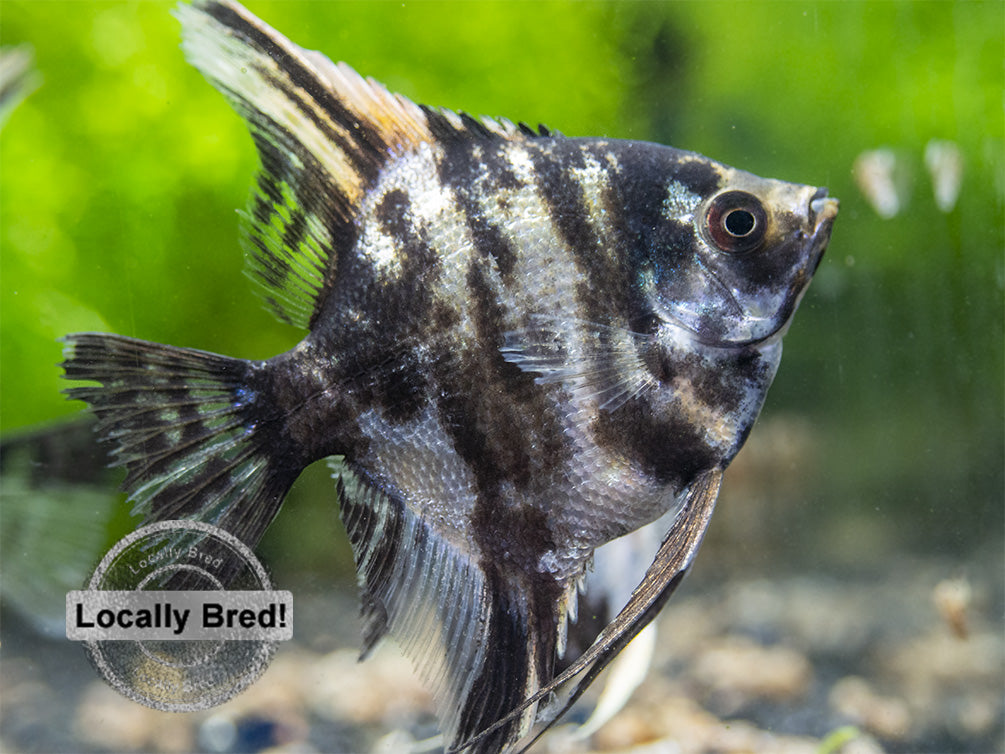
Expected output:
{"points": [[823, 208]]}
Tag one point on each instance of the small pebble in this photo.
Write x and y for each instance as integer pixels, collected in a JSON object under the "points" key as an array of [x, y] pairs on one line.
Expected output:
{"points": [[741, 668], [887, 717]]}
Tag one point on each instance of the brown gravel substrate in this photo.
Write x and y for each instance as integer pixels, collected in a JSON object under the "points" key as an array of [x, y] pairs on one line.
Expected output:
{"points": [[910, 662]]}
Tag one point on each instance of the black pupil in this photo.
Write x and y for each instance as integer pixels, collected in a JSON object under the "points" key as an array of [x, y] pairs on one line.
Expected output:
{"points": [[739, 222]]}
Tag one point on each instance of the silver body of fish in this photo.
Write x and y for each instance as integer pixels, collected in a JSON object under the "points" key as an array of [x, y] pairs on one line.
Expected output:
{"points": [[520, 346]]}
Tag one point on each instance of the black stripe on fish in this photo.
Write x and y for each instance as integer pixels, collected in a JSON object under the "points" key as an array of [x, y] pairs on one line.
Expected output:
{"points": [[403, 388], [671, 450], [488, 239], [526, 446], [611, 294], [522, 629], [384, 368], [696, 173], [418, 260], [725, 388], [570, 216], [563, 195], [501, 682], [398, 382], [470, 175]]}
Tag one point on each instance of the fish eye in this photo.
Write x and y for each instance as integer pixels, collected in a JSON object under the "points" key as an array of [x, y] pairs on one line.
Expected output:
{"points": [[736, 221]]}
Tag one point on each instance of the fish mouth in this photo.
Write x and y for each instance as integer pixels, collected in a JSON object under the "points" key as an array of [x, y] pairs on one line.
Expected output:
{"points": [[823, 210]]}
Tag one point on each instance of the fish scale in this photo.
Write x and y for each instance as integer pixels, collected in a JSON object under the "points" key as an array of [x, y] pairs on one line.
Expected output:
{"points": [[520, 347]]}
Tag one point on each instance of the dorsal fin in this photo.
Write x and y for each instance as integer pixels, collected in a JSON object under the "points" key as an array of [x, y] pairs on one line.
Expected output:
{"points": [[323, 133]]}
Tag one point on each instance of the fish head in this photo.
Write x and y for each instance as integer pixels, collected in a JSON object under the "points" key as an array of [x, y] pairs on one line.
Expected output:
{"points": [[744, 256]]}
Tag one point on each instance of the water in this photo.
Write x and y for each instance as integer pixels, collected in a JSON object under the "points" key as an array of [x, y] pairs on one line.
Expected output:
{"points": [[879, 456]]}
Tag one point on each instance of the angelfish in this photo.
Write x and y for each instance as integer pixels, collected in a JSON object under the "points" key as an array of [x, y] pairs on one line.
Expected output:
{"points": [[520, 346]]}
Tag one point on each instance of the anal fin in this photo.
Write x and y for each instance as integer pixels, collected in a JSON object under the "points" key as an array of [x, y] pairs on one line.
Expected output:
{"points": [[481, 642]]}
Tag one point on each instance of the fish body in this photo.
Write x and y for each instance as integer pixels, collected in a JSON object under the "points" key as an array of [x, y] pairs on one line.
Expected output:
{"points": [[520, 347]]}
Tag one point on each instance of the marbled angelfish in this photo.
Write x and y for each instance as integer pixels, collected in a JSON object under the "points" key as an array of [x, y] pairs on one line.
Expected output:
{"points": [[520, 346]]}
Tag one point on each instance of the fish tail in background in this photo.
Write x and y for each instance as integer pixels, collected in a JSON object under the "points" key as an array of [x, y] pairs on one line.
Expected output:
{"points": [[191, 428], [18, 78], [57, 501]]}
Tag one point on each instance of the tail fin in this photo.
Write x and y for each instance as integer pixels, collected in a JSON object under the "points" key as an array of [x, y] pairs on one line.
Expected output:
{"points": [[187, 426]]}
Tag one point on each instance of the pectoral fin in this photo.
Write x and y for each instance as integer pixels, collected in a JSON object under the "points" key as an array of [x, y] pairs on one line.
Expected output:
{"points": [[599, 364]]}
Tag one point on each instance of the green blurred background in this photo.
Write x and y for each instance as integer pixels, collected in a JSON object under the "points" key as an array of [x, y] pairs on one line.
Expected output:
{"points": [[120, 176]]}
